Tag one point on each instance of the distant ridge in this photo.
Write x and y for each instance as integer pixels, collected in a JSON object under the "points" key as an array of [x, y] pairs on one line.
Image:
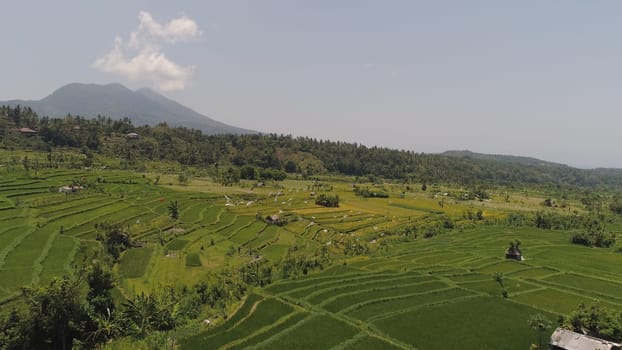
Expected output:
{"points": [[501, 158], [142, 107]]}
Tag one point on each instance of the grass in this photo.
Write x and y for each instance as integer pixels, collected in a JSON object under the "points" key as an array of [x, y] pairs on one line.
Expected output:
{"points": [[57, 260], [370, 343], [270, 332], [493, 288], [239, 315], [323, 284], [177, 244], [318, 332], [503, 267], [193, 260], [558, 301], [345, 301], [375, 308], [248, 233], [321, 293], [582, 283], [313, 281], [484, 323], [267, 312], [534, 272], [134, 262]]}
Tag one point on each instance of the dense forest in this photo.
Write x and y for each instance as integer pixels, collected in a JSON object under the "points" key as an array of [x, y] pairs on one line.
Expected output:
{"points": [[303, 155]]}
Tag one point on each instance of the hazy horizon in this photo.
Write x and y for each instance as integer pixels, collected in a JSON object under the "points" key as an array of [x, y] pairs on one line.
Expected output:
{"points": [[526, 78]]}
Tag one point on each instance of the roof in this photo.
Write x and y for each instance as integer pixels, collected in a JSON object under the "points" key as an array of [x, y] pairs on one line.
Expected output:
{"points": [[132, 134], [569, 340], [26, 130]]}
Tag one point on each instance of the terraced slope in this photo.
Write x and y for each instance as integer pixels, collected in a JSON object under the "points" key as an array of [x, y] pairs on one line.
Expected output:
{"points": [[432, 294], [42, 230]]}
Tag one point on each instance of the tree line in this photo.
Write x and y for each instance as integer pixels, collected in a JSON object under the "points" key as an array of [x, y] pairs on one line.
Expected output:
{"points": [[280, 153]]}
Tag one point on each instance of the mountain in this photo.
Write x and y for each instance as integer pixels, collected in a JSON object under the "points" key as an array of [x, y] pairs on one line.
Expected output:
{"points": [[142, 107], [501, 158]]}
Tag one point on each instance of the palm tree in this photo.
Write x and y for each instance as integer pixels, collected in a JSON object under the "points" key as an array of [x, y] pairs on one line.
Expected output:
{"points": [[108, 327], [141, 312], [173, 210], [498, 277], [540, 324], [147, 312]]}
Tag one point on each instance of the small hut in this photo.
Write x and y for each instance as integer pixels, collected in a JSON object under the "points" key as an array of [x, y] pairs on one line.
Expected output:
{"points": [[132, 136], [514, 251]]}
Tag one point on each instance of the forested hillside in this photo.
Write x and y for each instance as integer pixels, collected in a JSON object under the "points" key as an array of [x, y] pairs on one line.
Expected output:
{"points": [[303, 155]]}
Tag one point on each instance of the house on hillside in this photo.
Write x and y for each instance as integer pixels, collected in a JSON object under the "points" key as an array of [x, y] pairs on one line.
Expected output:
{"points": [[132, 136], [274, 218], [563, 339], [26, 131], [70, 189]]}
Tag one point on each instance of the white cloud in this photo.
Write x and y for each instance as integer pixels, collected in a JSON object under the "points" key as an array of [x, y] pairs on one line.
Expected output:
{"points": [[141, 59]]}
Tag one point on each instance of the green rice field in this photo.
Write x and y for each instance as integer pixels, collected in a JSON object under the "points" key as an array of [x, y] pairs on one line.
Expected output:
{"points": [[379, 291]]}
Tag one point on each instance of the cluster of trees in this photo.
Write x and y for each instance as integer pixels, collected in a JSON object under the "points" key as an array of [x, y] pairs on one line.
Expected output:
{"points": [[435, 225], [596, 320], [476, 194], [300, 265], [281, 153], [251, 173], [591, 228], [548, 220], [327, 200], [353, 247], [367, 193], [60, 315], [616, 204], [257, 273], [594, 233], [78, 311], [114, 239]]}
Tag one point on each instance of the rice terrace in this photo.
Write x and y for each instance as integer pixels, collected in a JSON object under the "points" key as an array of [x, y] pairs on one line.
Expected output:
{"points": [[406, 266]]}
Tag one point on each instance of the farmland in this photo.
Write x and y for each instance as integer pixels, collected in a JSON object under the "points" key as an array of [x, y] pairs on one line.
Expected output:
{"points": [[377, 288], [405, 300]]}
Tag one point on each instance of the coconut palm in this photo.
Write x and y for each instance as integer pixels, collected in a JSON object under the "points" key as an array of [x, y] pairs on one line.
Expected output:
{"points": [[173, 210], [540, 324]]}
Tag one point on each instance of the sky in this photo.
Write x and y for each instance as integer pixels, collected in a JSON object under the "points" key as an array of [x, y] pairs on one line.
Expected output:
{"points": [[530, 77]]}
